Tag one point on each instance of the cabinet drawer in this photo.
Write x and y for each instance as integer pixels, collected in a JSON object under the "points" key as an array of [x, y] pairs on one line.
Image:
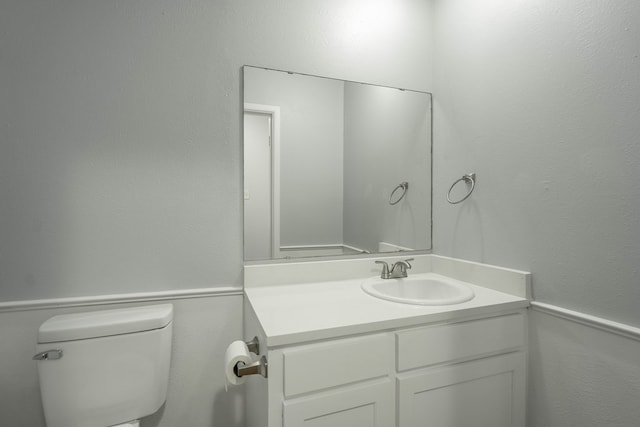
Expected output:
{"points": [[442, 343], [319, 366]]}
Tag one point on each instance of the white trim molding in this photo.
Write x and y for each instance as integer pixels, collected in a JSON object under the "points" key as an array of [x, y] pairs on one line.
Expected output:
{"points": [[617, 328], [41, 304]]}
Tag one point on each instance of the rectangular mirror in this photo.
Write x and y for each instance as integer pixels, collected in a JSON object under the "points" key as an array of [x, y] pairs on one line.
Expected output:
{"points": [[334, 167]]}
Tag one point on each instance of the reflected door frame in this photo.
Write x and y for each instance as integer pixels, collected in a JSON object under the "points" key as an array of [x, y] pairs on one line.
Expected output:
{"points": [[274, 113]]}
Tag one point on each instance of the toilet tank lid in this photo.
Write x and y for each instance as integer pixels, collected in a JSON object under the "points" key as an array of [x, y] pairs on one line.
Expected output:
{"points": [[68, 327]]}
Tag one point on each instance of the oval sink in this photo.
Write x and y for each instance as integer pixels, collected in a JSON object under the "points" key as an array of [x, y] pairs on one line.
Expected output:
{"points": [[421, 289]]}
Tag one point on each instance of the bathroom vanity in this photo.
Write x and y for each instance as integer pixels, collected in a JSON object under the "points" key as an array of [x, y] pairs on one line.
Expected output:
{"points": [[344, 347], [338, 356]]}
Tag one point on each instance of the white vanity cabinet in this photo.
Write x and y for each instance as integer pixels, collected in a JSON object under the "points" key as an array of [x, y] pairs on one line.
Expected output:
{"points": [[362, 405], [459, 373], [341, 382], [482, 393], [466, 374]]}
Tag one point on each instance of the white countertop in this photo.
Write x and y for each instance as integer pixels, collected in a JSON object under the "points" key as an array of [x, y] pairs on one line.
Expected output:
{"points": [[292, 314]]}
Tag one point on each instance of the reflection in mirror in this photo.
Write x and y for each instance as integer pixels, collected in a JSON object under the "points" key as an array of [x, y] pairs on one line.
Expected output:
{"points": [[333, 167]]}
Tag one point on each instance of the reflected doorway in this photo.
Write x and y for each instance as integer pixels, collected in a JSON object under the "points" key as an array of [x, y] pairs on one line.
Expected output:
{"points": [[261, 182]]}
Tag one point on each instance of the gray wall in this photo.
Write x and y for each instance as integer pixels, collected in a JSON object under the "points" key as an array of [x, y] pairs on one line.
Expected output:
{"points": [[387, 141], [541, 100], [580, 375], [120, 157], [120, 163], [311, 147], [120, 129], [114, 136]]}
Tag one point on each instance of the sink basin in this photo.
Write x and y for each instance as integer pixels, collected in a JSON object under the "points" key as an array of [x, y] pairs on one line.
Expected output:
{"points": [[420, 289]]}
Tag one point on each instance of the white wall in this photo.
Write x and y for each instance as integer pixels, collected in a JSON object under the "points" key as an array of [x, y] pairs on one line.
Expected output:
{"points": [[541, 100], [114, 137], [311, 147], [120, 154], [120, 128], [580, 375]]}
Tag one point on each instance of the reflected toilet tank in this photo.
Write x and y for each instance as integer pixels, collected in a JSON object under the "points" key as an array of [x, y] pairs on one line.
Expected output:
{"points": [[104, 368]]}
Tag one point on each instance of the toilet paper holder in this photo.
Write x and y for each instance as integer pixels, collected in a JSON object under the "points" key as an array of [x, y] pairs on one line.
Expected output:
{"points": [[253, 345], [259, 367]]}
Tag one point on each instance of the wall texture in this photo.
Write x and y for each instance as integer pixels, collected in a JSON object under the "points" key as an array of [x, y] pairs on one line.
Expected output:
{"points": [[120, 157], [120, 128], [580, 375], [541, 100]]}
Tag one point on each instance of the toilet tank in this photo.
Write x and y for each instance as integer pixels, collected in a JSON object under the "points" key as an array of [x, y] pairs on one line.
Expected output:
{"points": [[106, 367]]}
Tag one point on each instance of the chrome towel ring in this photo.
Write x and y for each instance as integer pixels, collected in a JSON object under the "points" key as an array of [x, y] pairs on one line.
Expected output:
{"points": [[470, 177], [404, 186]]}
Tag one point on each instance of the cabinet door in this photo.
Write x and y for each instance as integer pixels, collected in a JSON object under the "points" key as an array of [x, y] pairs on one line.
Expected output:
{"points": [[370, 405], [485, 393]]}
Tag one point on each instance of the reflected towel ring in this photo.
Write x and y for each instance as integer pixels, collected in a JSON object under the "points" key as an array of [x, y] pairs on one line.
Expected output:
{"points": [[404, 186], [470, 177]]}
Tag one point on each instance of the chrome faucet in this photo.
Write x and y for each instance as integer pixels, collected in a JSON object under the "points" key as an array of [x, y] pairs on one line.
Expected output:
{"points": [[397, 271]]}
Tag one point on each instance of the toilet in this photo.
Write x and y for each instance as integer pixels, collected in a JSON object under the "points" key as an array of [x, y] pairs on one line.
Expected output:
{"points": [[104, 368]]}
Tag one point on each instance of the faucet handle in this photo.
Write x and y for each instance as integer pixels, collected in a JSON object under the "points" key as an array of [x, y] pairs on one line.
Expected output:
{"points": [[385, 269], [401, 271]]}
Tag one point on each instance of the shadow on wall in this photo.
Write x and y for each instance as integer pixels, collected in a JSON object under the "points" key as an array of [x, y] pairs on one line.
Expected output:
{"points": [[468, 240], [227, 411], [228, 408], [154, 419]]}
